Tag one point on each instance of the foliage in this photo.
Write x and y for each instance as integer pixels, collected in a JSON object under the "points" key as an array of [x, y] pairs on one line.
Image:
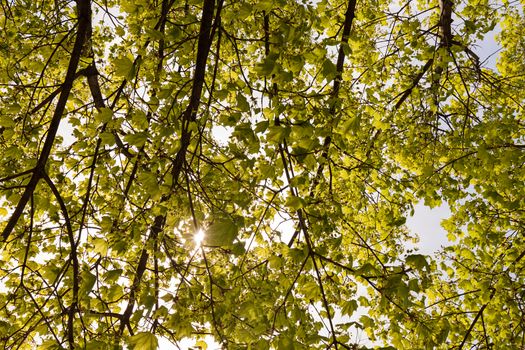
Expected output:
{"points": [[234, 118]]}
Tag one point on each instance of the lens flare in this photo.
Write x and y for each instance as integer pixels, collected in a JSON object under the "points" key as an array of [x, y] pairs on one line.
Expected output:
{"points": [[198, 237]]}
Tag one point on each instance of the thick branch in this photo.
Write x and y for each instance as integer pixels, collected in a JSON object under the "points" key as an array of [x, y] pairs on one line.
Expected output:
{"points": [[475, 320], [415, 82], [347, 27], [84, 13], [190, 115], [141, 268], [445, 22], [74, 259]]}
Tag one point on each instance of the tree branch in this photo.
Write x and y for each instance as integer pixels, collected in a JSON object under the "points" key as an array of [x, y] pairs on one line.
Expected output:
{"points": [[190, 115], [84, 14], [347, 27], [475, 320]]}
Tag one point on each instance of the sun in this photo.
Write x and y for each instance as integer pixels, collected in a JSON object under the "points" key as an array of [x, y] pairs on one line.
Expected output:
{"points": [[199, 237]]}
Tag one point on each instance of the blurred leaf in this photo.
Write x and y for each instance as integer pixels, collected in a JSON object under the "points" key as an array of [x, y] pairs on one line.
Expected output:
{"points": [[144, 341]]}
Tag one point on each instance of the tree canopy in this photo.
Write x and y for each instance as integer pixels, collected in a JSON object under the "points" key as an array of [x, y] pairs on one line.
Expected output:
{"points": [[130, 127]]}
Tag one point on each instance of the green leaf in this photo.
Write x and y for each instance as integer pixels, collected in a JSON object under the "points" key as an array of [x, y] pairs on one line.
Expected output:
{"points": [[264, 5], [154, 34], [88, 281], [49, 345], [352, 125], [329, 70], [267, 66], [276, 134], [222, 232], [112, 275], [174, 34], [101, 246], [140, 119], [349, 307], [107, 138], [96, 345], [285, 343], [296, 63], [6, 121], [14, 108], [311, 290], [124, 67], [245, 10], [104, 115], [239, 248], [138, 139], [275, 262], [295, 203], [150, 182], [119, 30], [242, 103], [201, 344], [399, 221], [144, 341], [416, 261]]}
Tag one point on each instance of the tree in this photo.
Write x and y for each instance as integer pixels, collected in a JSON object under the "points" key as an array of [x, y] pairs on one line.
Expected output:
{"points": [[229, 118]]}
